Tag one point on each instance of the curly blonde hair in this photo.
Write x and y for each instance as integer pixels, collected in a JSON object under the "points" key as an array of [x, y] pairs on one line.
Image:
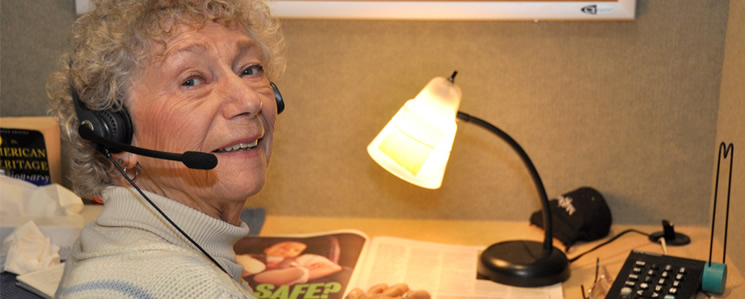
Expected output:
{"points": [[111, 41]]}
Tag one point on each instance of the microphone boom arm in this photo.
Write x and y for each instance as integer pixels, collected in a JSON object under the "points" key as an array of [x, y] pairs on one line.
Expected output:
{"points": [[195, 160]]}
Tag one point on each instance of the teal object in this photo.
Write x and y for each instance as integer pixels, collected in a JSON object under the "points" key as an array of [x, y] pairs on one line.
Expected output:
{"points": [[715, 278], [715, 275]]}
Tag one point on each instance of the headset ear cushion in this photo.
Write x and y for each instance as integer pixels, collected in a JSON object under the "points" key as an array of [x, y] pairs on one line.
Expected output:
{"points": [[278, 98], [119, 125], [111, 125]]}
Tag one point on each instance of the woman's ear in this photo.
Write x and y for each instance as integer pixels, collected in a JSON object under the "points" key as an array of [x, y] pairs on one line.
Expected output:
{"points": [[128, 163], [125, 159]]}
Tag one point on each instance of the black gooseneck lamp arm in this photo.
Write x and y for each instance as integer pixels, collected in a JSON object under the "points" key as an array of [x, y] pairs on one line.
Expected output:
{"points": [[548, 239], [522, 263]]}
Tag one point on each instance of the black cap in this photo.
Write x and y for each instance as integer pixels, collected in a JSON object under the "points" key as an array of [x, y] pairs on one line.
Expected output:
{"points": [[579, 215]]}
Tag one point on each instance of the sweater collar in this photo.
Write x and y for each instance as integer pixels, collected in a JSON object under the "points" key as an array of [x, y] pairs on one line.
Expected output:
{"points": [[214, 235]]}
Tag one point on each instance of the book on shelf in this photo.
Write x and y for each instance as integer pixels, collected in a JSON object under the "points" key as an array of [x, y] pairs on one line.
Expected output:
{"points": [[330, 264], [30, 149]]}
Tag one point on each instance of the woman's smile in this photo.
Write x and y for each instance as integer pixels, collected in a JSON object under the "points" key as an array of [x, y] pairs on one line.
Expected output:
{"points": [[239, 147]]}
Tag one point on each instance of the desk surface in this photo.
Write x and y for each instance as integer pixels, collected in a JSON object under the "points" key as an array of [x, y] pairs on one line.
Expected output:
{"points": [[484, 233]]}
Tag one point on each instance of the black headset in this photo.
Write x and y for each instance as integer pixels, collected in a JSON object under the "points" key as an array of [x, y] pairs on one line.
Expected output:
{"points": [[116, 125]]}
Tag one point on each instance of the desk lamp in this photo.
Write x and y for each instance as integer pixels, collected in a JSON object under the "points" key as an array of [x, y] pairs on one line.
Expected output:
{"points": [[415, 146]]}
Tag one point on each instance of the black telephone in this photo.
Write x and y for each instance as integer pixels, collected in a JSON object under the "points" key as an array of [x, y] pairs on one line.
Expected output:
{"points": [[648, 275]]}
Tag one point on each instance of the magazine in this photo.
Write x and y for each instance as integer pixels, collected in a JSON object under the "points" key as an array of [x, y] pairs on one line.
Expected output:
{"points": [[329, 265]]}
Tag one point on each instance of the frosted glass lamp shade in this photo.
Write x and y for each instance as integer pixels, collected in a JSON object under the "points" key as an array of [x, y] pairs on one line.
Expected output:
{"points": [[415, 145]]}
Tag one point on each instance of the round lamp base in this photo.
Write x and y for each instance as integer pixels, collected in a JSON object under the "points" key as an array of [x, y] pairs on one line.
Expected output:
{"points": [[523, 263]]}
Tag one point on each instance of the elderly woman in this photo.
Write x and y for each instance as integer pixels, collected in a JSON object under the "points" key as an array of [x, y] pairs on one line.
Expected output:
{"points": [[174, 76]]}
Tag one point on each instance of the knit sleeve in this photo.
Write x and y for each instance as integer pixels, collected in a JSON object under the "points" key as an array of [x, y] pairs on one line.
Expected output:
{"points": [[161, 272]]}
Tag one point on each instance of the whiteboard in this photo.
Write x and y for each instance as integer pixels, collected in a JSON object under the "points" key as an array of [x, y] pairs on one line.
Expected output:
{"points": [[445, 10]]}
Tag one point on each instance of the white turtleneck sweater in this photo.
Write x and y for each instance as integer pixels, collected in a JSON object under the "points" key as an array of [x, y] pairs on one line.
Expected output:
{"points": [[131, 251]]}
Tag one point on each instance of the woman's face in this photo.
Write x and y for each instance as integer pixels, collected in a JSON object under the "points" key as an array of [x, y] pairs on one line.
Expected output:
{"points": [[204, 91], [285, 249]]}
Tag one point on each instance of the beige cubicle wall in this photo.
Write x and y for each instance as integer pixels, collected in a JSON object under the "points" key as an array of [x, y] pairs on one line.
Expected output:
{"points": [[635, 109]]}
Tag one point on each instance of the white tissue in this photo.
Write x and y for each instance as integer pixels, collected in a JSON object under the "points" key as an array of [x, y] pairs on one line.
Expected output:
{"points": [[55, 210], [21, 198], [27, 250]]}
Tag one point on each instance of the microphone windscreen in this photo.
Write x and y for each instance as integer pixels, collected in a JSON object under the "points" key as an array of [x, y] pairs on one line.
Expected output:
{"points": [[199, 160]]}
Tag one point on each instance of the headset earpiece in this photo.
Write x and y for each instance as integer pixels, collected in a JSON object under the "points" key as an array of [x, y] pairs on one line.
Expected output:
{"points": [[278, 98], [108, 124]]}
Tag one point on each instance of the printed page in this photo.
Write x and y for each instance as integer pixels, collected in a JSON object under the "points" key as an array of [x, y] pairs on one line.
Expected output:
{"points": [[446, 271]]}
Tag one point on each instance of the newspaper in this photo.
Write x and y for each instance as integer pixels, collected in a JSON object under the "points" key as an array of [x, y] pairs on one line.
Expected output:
{"points": [[444, 270]]}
